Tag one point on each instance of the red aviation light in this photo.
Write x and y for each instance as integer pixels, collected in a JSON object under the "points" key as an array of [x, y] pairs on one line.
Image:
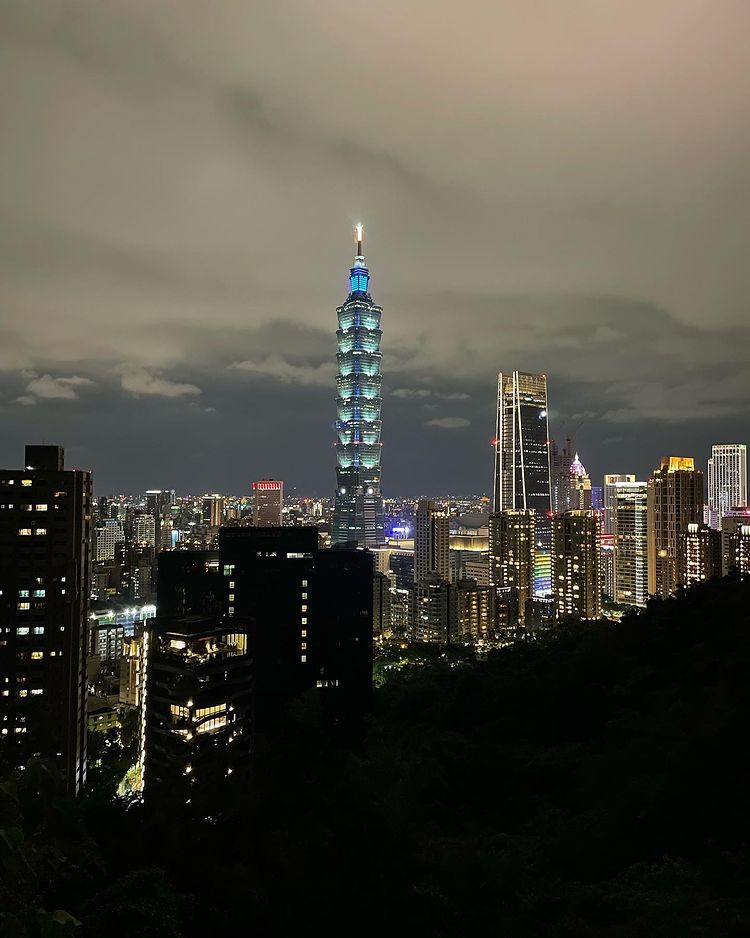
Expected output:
{"points": [[267, 486]]}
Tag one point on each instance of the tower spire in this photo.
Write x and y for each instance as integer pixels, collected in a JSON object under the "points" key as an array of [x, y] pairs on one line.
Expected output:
{"points": [[359, 230]]}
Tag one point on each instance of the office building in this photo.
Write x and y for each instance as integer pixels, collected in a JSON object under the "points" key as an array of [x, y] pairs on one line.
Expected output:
{"points": [[675, 499], [611, 479], [701, 554], [607, 565], [144, 531], [560, 461], [735, 542], [45, 538], [575, 565], [628, 513], [213, 510], [358, 508], [512, 553], [580, 486], [431, 542], [159, 503], [107, 534], [431, 610], [268, 503], [727, 479], [522, 473]]}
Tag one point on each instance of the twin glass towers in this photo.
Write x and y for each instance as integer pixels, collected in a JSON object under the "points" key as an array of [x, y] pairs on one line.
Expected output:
{"points": [[358, 508]]}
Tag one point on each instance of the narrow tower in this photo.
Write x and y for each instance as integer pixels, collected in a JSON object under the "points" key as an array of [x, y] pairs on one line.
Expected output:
{"points": [[358, 510]]}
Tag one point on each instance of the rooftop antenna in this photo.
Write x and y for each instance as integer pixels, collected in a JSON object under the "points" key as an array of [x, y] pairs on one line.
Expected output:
{"points": [[359, 229]]}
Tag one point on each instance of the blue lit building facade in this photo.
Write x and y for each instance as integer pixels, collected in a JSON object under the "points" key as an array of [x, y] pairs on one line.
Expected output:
{"points": [[358, 509]]}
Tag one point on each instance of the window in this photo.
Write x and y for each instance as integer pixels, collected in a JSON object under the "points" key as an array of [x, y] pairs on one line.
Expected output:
{"points": [[303, 658], [38, 630], [24, 532], [36, 691], [231, 597], [23, 594], [304, 620], [38, 593], [37, 655], [24, 606], [26, 482], [304, 633], [40, 507], [304, 583], [40, 531], [22, 630], [304, 595]]}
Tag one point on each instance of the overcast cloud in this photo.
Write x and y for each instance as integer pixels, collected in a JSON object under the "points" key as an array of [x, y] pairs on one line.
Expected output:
{"points": [[547, 186]]}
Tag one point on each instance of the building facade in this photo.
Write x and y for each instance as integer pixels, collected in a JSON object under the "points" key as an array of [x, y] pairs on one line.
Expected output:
{"points": [[735, 543], [727, 479], [611, 479], [358, 506], [268, 503], [629, 520], [45, 538], [575, 565], [701, 554], [675, 500], [522, 466], [512, 547], [431, 542]]}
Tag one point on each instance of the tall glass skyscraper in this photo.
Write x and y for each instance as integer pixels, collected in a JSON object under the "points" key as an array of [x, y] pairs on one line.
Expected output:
{"points": [[358, 509], [522, 471]]}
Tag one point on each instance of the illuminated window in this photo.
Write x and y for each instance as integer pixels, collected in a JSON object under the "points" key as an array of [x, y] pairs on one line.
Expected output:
{"points": [[24, 606], [303, 646], [231, 597], [37, 655], [304, 582], [38, 630], [304, 595], [41, 507], [40, 531], [22, 630], [36, 691], [304, 620], [303, 658], [39, 593], [23, 693], [26, 482], [24, 532], [304, 633], [23, 593], [180, 713]]}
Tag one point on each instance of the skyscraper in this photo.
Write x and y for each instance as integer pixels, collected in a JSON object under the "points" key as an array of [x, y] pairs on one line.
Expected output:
{"points": [[580, 486], [735, 543], [611, 479], [431, 542], [268, 503], [629, 517], [512, 551], [45, 538], [575, 565], [358, 508], [701, 554], [522, 473], [675, 500], [727, 479]]}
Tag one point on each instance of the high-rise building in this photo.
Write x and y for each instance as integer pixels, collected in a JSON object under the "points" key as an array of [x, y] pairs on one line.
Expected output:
{"points": [[158, 505], [358, 507], [268, 503], [213, 510], [512, 553], [575, 565], [701, 554], [628, 513], [735, 542], [580, 486], [144, 530], [559, 467], [522, 473], [675, 499], [611, 479], [45, 542], [431, 542], [727, 479], [431, 608], [107, 534]]}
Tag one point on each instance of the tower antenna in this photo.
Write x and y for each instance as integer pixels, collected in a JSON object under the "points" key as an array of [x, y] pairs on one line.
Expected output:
{"points": [[359, 229]]}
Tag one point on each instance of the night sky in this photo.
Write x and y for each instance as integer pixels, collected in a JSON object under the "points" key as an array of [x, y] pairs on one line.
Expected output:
{"points": [[550, 186]]}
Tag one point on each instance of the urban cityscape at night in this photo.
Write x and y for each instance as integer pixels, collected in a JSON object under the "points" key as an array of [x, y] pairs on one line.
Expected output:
{"points": [[320, 614]]}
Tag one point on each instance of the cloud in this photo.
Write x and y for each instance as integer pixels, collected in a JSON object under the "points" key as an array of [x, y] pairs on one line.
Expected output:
{"points": [[275, 366], [411, 392], [51, 388], [140, 381], [448, 423], [424, 392], [26, 399]]}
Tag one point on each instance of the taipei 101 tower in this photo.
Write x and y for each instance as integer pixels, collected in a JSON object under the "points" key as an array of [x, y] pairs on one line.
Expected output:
{"points": [[358, 509]]}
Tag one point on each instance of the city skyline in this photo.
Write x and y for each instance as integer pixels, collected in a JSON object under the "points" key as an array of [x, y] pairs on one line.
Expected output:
{"points": [[175, 298]]}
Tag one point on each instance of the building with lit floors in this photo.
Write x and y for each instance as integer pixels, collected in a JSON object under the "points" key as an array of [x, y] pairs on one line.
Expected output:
{"points": [[628, 514], [735, 542], [522, 467], [675, 500], [45, 538], [580, 486], [701, 554], [431, 608], [358, 507], [196, 706], [575, 565], [431, 542], [213, 510], [611, 480], [268, 503], [727, 479], [512, 549]]}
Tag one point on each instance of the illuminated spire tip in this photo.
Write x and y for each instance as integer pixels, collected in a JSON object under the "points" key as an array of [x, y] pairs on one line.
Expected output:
{"points": [[359, 230]]}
